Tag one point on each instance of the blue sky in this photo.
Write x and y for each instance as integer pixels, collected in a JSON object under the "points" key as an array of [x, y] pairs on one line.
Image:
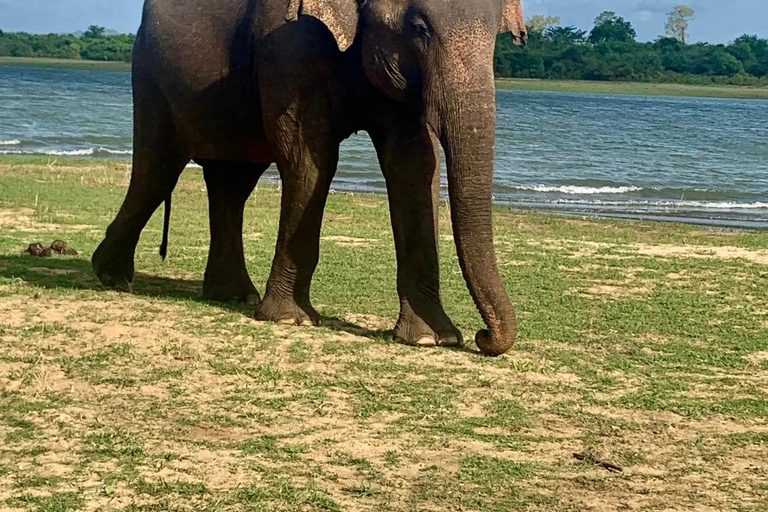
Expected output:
{"points": [[718, 21]]}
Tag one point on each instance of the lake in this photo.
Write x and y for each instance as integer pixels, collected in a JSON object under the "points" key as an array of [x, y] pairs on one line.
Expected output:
{"points": [[690, 159]]}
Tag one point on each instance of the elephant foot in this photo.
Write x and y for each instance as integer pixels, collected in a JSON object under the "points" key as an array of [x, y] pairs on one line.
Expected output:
{"points": [[113, 269], [287, 312], [415, 331], [224, 291]]}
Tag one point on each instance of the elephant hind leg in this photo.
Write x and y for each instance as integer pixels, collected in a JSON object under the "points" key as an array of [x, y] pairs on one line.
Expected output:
{"points": [[158, 160], [229, 186]]}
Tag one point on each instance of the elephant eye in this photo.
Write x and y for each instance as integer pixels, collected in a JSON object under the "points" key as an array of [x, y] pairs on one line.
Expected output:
{"points": [[421, 26]]}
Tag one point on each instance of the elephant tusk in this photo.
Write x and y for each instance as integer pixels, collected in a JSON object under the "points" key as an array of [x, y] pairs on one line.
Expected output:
{"points": [[293, 10]]}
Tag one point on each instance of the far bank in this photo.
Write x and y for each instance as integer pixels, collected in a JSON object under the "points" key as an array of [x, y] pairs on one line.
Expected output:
{"points": [[636, 88], [566, 86]]}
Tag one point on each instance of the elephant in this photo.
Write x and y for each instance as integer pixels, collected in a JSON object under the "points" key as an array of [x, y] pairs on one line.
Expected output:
{"points": [[239, 85]]}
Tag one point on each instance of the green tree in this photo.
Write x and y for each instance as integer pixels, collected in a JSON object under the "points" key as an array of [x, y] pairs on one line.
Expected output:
{"points": [[538, 24], [678, 21], [752, 52], [722, 63], [609, 26], [94, 32], [566, 35], [112, 48]]}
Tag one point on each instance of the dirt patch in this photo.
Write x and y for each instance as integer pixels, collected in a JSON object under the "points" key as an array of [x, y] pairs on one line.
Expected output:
{"points": [[617, 291], [758, 358], [371, 322], [584, 249], [16, 219], [592, 249], [697, 251], [53, 271], [22, 220], [630, 286], [347, 241]]}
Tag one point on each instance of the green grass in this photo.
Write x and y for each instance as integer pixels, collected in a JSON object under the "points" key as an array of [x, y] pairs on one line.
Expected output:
{"points": [[636, 88], [63, 502], [642, 344]]}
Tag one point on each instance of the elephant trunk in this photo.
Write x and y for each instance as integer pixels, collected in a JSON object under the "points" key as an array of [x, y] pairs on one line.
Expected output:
{"points": [[466, 118]]}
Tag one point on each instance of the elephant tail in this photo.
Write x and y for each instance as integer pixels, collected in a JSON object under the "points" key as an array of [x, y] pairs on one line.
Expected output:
{"points": [[166, 228]]}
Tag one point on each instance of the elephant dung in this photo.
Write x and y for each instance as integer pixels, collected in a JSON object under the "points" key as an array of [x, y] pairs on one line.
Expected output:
{"points": [[61, 247], [57, 247], [38, 250]]}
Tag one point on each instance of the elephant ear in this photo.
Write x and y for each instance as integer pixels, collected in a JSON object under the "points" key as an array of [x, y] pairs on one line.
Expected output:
{"points": [[340, 16], [512, 19]]}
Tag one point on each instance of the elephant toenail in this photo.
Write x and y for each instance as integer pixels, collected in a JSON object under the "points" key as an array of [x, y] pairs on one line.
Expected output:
{"points": [[306, 323], [449, 340], [426, 341], [287, 321], [123, 287]]}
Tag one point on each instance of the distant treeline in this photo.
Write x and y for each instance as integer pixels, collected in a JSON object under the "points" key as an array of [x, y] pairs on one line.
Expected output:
{"points": [[610, 52], [94, 44]]}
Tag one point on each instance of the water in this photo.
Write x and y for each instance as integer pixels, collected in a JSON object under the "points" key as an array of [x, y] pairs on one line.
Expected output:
{"points": [[697, 160]]}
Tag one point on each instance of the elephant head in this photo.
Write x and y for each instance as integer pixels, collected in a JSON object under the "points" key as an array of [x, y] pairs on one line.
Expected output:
{"points": [[438, 55]]}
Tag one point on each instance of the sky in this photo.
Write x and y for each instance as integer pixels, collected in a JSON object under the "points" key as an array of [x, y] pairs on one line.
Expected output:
{"points": [[717, 21]]}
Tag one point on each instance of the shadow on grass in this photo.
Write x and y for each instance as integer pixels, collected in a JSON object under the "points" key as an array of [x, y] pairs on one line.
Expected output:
{"points": [[77, 274]]}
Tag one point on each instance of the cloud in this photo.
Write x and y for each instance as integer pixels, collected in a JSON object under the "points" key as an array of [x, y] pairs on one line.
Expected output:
{"points": [[656, 6], [644, 16]]}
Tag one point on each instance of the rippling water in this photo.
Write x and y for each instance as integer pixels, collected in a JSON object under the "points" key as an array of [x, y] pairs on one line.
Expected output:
{"points": [[701, 160]]}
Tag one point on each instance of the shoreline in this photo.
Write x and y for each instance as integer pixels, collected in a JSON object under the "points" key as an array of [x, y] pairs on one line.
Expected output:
{"points": [[659, 89], [506, 84], [717, 219], [70, 64]]}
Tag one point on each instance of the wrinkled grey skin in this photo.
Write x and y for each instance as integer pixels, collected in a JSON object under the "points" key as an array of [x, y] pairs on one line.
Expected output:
{"points": [[237, 85]]}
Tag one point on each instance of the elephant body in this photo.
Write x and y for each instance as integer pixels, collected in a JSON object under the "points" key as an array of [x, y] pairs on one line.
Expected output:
{"points": [[237, 85], [209, 64]]}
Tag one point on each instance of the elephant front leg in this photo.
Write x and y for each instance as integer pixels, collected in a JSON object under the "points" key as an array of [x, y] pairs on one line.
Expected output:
{"points": [[307, 167], [410, 162], [226, 276]]}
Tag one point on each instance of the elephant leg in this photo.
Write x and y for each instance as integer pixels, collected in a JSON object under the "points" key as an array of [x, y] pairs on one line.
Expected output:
{"points": [[410, 161], [158, 161], [307, 164], [229, 187]]}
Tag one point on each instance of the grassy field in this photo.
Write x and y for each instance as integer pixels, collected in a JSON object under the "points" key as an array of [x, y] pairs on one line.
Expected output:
{"points": [[637, 88], [642, 345], [593, 87]]}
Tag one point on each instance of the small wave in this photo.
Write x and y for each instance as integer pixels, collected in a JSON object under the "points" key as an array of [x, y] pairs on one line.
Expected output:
{"points": [[576, 190], [115, 151], [76, 152], [689, 205], [67, 152], [14, 142], [726, 205]]}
